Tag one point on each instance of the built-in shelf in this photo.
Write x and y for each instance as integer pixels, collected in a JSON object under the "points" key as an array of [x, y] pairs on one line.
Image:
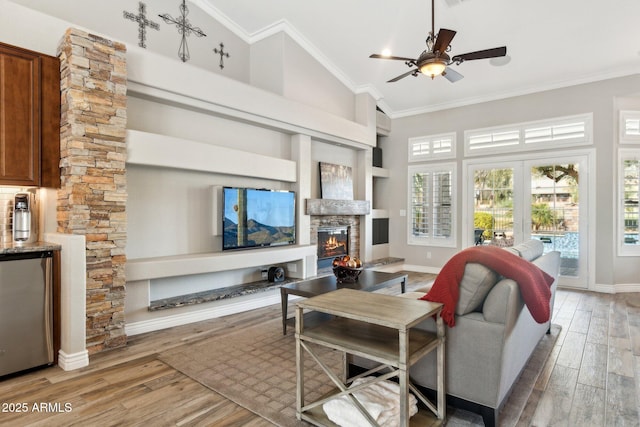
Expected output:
{"points": [[379, 213], [183, 265], [377, 172], [216, 94], [383, 124], [338, 207], [249, 288], [217, 294], [150, 149]]}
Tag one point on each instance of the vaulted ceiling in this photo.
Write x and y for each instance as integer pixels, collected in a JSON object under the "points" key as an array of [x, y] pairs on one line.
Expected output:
{"points": [[550, 43]]}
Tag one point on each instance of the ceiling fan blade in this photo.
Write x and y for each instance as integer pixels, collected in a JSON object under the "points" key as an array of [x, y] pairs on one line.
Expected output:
{"points": [[402, 76], [443, 40], [481, 54], [452, 75], [397, 58]]}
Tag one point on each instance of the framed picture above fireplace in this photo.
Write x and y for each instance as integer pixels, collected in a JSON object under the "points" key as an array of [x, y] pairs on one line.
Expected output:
{"points": [[336, 182]]}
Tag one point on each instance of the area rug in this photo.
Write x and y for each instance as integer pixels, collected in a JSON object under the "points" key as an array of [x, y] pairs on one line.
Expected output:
{"points": [[256, 368]]}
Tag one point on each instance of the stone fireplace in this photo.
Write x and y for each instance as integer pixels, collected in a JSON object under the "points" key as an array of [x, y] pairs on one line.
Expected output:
{"points": [[343, 233]]}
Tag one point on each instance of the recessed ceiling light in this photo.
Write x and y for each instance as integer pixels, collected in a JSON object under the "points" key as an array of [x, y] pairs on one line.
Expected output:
{"points": [[500, 61]]}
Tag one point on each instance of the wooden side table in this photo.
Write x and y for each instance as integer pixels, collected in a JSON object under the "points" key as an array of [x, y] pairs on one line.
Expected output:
{"points": [[376, 327]]}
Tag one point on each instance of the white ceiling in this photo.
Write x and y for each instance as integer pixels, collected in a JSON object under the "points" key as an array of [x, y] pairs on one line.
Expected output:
{"points": [[551, 43]]}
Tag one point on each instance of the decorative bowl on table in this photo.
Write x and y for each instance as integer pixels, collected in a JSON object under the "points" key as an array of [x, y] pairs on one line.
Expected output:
{"points": [[347, 269]]}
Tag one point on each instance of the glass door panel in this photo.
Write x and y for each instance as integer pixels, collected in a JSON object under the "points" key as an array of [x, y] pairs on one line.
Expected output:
{"points": [[555, 212], [557, 215], [493, 206]]}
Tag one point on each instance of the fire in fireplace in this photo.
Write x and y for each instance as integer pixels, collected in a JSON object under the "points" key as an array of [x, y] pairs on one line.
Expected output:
{"points": [[332, 242]]}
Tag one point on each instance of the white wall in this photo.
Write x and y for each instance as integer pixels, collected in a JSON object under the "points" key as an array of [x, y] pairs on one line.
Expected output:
{"points": [[106, 17], [327, 153], [307, 81], [594, 97], [280, 65], [267, 65]]}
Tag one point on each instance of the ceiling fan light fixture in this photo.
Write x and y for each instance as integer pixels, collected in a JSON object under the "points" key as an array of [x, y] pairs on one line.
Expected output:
{"points": [[433, 68], [434, 60]]}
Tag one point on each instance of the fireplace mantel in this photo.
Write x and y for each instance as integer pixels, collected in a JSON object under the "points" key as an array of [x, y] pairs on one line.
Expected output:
{"points": [[338, 207]]}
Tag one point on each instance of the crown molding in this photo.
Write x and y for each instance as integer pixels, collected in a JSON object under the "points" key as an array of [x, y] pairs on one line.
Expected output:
{"points": [[223, 19], [514, 93]]}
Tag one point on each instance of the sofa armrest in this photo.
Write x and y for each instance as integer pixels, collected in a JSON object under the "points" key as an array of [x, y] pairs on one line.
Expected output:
{"points": [[550, 263]]}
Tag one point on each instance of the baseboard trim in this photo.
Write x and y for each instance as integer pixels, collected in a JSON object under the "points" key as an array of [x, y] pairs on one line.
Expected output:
{"points": [[70, 362], [619, 288], [143, 326]]}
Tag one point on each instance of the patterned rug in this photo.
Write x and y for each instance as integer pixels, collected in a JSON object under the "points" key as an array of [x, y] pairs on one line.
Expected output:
{"points": [[256, 368]]}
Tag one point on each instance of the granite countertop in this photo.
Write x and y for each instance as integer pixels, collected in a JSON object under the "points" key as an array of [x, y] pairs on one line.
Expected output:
{"points": [[20, 248]]}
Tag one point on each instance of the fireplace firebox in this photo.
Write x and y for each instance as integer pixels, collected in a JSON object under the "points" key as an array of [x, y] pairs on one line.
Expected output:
{"points": [[332, 242]]}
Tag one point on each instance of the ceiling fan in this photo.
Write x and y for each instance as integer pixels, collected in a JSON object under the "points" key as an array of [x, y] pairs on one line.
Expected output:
{"points": [[435, 60]]}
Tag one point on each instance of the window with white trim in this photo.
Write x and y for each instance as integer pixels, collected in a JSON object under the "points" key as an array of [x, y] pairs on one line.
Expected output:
{"points": [[432, 212], [630, 127], [538, 135], [422, 148], [628, 198]]}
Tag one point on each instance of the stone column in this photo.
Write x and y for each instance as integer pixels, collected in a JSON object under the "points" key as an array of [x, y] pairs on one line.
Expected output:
{"points": [[93, 195]]}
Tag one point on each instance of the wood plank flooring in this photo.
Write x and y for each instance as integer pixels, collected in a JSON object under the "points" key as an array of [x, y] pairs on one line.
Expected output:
{"points": [[592, 377]]}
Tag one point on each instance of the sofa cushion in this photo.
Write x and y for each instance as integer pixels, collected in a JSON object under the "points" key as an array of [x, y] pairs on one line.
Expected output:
{"points": [[474, 287], [530, 250]]}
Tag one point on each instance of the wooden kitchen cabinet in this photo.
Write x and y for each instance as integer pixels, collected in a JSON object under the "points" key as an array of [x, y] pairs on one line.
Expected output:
{"points": [[29, 118]]}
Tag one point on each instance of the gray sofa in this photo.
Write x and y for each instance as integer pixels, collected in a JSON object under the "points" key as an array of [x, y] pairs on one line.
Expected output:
{"points": [[492, 340]]}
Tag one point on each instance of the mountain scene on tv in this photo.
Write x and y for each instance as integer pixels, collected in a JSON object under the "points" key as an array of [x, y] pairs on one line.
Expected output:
{"points": [[258, 218], [257, 234]]}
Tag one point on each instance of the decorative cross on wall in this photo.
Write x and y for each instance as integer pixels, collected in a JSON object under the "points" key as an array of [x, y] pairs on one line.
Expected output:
{"points": [[143, 23], [184, 28], [222, 54]]}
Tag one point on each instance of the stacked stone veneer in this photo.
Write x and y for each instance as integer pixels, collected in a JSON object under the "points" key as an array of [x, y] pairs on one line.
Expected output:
{"points": [[93, 195], [351, 221]]}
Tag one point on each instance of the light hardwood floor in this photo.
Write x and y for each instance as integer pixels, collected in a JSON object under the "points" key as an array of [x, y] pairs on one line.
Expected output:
{"points": [[591, 378]]}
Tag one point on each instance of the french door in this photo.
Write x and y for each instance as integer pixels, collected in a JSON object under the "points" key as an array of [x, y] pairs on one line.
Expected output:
{"points": [[544, 198]]}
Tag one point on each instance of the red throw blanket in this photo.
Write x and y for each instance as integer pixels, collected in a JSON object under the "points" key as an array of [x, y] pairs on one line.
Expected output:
{"points": [[534, 284]]}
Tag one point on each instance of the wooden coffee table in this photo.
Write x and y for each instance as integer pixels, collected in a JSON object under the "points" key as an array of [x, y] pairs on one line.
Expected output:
{"points": [[368, 280]]}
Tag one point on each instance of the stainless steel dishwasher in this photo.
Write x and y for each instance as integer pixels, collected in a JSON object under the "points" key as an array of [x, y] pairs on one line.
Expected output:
{"points": [[26, 314]]}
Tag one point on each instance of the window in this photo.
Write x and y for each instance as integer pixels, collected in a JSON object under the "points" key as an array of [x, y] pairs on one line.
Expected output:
{"points": [[432, 205], [629, 196], [423, 148], [630, 127], [562, 131]]}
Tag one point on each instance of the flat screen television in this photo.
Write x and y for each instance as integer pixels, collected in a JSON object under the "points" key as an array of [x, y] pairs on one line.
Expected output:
{"points": [[256, 218]]}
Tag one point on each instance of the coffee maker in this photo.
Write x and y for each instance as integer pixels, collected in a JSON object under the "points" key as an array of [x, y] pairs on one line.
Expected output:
{"points": [[24, 218]]}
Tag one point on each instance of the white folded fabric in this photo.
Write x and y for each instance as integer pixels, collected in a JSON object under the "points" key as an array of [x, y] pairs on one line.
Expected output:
{"points": [[381, 400]]}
